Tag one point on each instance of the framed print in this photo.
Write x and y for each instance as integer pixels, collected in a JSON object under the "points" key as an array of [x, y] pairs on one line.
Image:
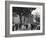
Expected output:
{"points": [[24, 18]]}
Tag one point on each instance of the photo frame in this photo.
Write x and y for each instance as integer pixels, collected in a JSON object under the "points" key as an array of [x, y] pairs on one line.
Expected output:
{"points": [[24, 18]]}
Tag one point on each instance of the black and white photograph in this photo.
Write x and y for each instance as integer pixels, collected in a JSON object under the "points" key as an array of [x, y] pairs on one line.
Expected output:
{"points": [[24, 18]]}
